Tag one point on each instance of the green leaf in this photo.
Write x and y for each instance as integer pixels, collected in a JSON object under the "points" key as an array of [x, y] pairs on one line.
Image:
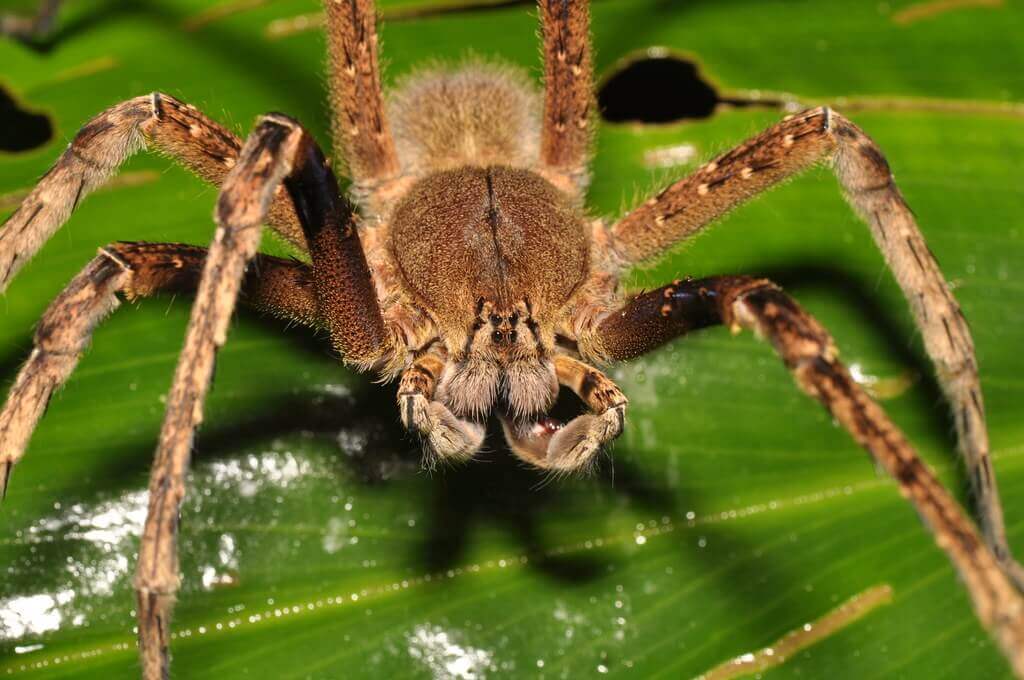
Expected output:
{"points": [[731, 512]]}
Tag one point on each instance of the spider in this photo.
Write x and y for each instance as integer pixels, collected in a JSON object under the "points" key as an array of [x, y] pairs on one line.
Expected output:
{"points": [[464, 266]]}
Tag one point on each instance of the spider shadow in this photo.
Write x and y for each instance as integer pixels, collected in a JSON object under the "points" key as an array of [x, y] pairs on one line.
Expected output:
{"points": [[497, 490], [494, 493], [71, 22], [855, 294], [68, 24]]}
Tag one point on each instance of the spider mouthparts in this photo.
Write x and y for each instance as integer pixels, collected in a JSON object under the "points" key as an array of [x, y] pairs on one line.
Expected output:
{"points": [[547, 426]]}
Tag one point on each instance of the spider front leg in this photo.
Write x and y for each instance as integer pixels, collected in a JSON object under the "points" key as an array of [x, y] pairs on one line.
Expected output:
{"points": [[446, 436], [265, 160], [689, 205], [278, 151], [652, 318], [548, 444], [104, 143]]}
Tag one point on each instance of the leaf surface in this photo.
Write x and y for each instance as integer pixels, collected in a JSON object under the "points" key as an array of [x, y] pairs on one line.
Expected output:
{"points": [[731, 512]]}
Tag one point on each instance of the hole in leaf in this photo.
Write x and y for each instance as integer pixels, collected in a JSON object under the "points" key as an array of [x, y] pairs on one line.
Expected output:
{"points": [[661, 87], [21, 130], [657, 88]]}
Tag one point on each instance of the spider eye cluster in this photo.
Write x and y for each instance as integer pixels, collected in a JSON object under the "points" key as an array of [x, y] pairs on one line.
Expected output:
{"points": [[504, 337], [504, 332]]}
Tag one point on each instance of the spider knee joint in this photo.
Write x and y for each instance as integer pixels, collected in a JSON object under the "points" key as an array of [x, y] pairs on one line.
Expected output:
{"points": [[156, 104], [280, 119], [826, 116], [113, 256]]}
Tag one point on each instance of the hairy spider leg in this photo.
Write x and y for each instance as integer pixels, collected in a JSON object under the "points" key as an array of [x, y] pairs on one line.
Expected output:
{"points": [[265, 160], [569, 110], [808, 351], [359, 124], [155, 121], [686, 207]]}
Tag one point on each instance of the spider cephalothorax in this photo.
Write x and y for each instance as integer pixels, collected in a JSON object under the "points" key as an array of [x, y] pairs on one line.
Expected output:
{"points": [[494, 257], [464, 265]]}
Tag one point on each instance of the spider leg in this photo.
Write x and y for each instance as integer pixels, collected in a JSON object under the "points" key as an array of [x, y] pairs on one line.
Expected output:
{"points": [[359, 125], [346, 296], [551, 446], [446, 436], [274, 285], [568, 93], [278, 286], [60, 339], [35, 27], [689, 205], [153, 121], [278, 151], [248, 190], [807, 349]]}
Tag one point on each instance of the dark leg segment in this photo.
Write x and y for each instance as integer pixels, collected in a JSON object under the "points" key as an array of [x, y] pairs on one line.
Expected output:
{"points": [[691, 204], [568, 92], [98, 150], [283, 288], [653, 318], [808, 351], [345, 292]]}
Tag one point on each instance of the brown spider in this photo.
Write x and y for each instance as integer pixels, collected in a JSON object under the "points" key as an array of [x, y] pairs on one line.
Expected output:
{"points": [[465, 267]]}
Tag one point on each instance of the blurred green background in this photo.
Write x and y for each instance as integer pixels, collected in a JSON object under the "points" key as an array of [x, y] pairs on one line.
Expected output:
{"points": [[732, 510]]}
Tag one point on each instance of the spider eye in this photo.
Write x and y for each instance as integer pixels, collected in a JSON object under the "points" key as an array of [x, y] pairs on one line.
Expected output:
{"points": [[512, 337], [496, 336]]}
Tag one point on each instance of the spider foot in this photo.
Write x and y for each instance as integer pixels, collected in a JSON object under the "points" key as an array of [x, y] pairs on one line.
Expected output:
{"points": [[446, 437], [552, 445]]}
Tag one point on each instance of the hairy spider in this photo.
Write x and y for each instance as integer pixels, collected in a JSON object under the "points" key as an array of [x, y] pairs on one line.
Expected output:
{"points": [[465, 266]]}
